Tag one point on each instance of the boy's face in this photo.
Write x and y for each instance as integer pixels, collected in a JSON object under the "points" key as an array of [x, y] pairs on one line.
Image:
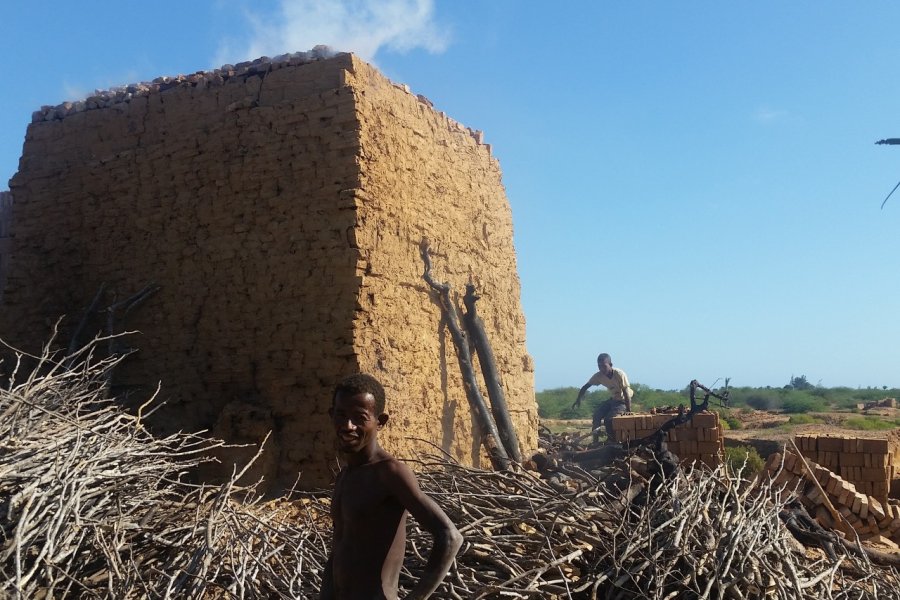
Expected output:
{"points": [[605, 366], [355, 421]]}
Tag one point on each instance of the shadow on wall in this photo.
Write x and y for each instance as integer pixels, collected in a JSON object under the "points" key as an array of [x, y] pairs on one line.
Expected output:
{"points": [[5, 237], [449, 411], [245, 424]]}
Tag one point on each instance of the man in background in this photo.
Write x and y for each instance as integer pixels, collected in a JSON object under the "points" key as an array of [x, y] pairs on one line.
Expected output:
{"points": [[620, 394]]}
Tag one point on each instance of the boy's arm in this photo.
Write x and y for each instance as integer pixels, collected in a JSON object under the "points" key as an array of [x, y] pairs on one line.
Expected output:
{"points": [[403, 485], [627, 391], [326, 592], [581, 394]]}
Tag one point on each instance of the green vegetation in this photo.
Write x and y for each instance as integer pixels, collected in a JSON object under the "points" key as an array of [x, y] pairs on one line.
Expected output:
{"points": [[731, 422], [557, 403], [797, 398], [744, 457], [870, 423], [803, 420], [801, 402]]}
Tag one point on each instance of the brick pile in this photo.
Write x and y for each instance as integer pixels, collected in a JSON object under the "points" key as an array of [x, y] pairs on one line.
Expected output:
{"points": [[869, 464], [859, 513], [701, 439], [883, 403], [279, 205], [124, 94]]}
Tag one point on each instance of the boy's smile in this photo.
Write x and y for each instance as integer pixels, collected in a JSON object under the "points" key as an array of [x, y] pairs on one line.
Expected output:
{"points": [[355, 421]]}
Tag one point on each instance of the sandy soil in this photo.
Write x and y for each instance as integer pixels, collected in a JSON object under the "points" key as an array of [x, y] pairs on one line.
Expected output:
{"points": [[766, 425]]}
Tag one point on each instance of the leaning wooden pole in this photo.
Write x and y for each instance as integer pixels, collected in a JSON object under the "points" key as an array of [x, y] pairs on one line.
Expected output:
{"points": [[490, 436], [499, 408]]}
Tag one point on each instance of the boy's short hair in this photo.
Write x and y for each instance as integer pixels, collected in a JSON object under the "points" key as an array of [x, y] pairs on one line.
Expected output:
{"points": [[361, 383], [603, 356]]}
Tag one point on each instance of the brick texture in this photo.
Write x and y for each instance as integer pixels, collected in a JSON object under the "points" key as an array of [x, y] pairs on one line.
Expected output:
{"points": [[831, 499], [700, 439], [871, 465], [281, 214]]}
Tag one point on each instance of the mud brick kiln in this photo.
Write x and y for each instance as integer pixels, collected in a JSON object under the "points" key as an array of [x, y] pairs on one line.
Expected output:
{"points": [[279, 205]]}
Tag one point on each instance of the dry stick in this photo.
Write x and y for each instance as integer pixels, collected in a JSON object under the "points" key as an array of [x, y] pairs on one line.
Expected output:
{"points": [[838, 517], [475, 328], [490, 435]]}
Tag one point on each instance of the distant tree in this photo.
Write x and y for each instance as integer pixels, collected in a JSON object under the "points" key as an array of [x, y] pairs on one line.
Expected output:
{"points": [[799, 383]]}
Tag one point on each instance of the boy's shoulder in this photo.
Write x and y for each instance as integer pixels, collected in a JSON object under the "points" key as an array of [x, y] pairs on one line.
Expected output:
{"points": [[391, 465], [385, 465], [394, 474]]}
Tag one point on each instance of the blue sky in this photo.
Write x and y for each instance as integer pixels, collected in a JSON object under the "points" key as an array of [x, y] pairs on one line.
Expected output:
{"points": [[695, 186]]}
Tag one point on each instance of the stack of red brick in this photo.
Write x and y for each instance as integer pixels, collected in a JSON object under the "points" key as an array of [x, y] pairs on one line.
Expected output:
{"points": [[870, 465], [856, 513], [700, 439]]}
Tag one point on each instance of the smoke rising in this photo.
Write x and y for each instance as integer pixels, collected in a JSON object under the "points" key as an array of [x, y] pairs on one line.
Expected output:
{"points": [[364, 27]]}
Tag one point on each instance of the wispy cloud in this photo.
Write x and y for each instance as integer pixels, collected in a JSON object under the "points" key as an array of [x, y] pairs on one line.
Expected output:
{"points": [[364, 27], [767, 114]]}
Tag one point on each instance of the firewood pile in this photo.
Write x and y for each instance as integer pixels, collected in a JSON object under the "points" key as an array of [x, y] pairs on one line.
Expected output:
{"points": [[707, 533], [94, 506]]}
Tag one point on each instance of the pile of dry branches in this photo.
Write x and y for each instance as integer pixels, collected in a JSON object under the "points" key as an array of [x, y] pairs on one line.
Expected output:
{"points": [[92, 505], [704, 534]]}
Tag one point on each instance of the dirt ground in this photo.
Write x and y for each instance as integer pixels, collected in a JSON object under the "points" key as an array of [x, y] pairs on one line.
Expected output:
{"points": [[776, 427]]}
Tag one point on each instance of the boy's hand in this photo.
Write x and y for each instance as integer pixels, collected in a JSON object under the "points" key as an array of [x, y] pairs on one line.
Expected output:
{"points": [[576, 404]]}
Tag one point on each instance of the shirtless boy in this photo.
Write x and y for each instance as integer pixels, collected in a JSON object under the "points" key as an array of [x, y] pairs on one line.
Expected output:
{"points": [[372, 496]]}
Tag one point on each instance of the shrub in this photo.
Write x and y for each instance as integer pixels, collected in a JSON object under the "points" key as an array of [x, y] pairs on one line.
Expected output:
{"points": [[761, 401], [802, 404], [744, 457], [803, 419], [731, 422], [572, 413]]}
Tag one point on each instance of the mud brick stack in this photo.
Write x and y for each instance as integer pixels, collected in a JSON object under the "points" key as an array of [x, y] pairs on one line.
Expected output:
{"points": [[857, 513], [700, 439], [279, 204], [869, 464]]}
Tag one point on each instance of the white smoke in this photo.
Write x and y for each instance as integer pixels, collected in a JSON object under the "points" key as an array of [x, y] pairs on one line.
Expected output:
{"points": [[360, 26]]}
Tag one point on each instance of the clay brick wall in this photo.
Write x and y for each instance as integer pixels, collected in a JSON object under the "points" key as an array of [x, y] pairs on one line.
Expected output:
{"points": [[871, 465], [279, 207], [425, 176], [701, 439]]}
